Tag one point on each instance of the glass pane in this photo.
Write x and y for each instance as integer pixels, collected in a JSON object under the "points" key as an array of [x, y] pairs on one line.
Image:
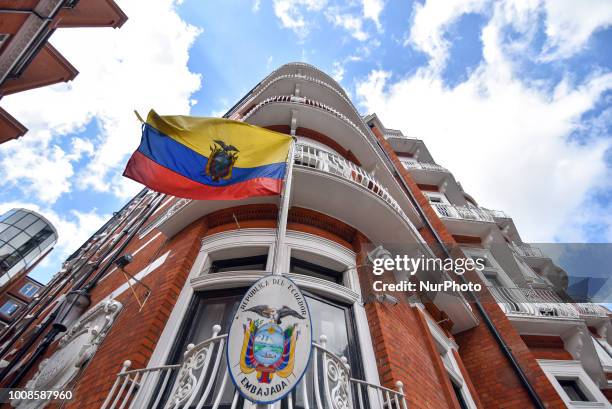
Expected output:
{"points": [[44, 246], [27, 220], [571, 388], [13, 218], [36, 227], [8, 233], [5, 250], [209, 311], [31, 256], [19, 240], [329, 320], [298, 266], [7, 214], [254, 263], [3, 226], [9, 308]]}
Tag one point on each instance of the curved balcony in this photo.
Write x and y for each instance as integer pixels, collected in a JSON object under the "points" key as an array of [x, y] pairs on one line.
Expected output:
{"points": [[304, 101], [291, 68], [324, 182], [527, 250], [426, 173], [424, 166], [449, 211], [201, 380], [311, 157], [543, 303], [285, 84], [320, 117]]}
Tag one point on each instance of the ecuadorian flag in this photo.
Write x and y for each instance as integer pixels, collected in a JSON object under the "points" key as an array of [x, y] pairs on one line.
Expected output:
{"points": [[208, 158]]}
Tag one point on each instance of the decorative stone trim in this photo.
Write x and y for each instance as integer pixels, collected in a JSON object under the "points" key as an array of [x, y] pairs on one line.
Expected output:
{"points": [[74, 350]]}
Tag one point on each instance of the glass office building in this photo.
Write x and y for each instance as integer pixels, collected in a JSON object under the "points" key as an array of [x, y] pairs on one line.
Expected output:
{"points": [[25, 237]]}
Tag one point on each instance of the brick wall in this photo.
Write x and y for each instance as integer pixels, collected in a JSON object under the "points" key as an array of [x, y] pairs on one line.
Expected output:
{"points": [[490, 372], [546, 347], [135, 333]]}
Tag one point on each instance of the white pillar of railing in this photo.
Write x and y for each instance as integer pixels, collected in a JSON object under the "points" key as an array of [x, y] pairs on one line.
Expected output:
{"points": [[195, 380]]}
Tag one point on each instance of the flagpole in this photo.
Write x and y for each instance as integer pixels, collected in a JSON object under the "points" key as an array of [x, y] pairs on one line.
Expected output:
{"points": [[283, 213]]}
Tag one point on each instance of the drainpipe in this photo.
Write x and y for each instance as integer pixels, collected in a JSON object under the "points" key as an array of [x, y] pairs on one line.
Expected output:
{"points": [[502, 344], [49, 286], [50, 337]]}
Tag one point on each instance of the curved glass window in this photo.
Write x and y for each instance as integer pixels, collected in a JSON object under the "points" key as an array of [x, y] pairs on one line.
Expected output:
{"points": [[24, 235]]}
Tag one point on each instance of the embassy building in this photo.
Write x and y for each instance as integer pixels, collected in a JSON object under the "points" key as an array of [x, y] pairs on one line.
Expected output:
{"points": [[138, 316]]}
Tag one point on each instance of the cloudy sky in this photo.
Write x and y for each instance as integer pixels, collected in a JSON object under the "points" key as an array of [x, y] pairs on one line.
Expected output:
{"points": [[513, 96]]}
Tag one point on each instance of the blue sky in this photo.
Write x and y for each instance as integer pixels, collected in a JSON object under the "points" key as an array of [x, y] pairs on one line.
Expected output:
{"points": [[513, 97]]}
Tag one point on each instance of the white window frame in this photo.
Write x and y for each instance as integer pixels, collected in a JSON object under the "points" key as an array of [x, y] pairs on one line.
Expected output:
{"points": [[32, 285], [446, 346], [14, 301], [440, 195], [200, 280], [555, 369]]}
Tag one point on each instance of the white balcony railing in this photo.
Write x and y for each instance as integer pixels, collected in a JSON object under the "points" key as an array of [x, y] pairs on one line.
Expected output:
{"points": [[311, 157], [539, 302], [450, 211], [202, 379], [424, 166], [589, 310], [527, 250], [293, 99]]}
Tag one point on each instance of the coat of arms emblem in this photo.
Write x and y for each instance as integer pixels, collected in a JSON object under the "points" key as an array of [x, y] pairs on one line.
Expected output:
{"points": [[268, 348], [269, 340], [221, 160]]}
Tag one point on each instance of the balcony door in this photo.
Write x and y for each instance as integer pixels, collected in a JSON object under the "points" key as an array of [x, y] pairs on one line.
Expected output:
{"points": [[209, 308]]}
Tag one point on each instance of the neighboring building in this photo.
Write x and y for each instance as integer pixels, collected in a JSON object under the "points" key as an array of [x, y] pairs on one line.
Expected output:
{"points": [[360, 191], [26, 237], [27, 59], [15, 297]]}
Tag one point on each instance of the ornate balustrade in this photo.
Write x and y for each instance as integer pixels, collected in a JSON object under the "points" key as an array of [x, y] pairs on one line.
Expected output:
{"points": [[263, 87], [314, 158], [311, 157], [537, 302], [527, 250], [592, 310], [202, 379], [304, 101], [424, 166], [450, 211]]}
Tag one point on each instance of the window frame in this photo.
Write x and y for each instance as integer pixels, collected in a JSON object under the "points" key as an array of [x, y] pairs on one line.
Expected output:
{"points": [[445, 347], [199, 280], [19, 305], [32, 285], [557, 369]]}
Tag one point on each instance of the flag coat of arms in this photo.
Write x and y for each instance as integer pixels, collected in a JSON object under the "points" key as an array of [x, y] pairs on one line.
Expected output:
{"points": [[209, 158]]}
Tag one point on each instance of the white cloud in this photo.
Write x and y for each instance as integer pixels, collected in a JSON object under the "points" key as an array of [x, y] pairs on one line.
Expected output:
{"points": [[372, 10], [570, 24], [256, 6], [351, 23], [39, 168], [503, 137], [142, 65], [430, 21], [337, 71], [290, 14]]}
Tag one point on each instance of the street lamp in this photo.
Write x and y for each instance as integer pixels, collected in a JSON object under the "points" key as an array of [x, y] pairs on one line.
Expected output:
{"points": [[74, 305]]}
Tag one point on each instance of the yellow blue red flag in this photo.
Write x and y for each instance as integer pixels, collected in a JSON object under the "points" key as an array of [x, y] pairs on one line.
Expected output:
{"points": [[208, 158]]}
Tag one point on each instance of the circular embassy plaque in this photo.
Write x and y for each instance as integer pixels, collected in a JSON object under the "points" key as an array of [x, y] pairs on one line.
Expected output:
{"points": [[269, 340]]}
